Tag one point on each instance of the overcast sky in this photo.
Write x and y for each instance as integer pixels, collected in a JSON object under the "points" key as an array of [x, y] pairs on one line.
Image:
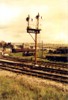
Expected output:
{"points": [[54, 22]]}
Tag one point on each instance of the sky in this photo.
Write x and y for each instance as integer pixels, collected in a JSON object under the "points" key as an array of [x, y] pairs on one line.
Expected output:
{"points": [[53, 24]]}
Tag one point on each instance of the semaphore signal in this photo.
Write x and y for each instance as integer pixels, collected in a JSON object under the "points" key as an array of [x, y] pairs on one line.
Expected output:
{"points": [[35, 31]]}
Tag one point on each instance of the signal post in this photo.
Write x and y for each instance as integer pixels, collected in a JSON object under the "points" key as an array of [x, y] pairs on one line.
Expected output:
{"points": [[35, 31]]}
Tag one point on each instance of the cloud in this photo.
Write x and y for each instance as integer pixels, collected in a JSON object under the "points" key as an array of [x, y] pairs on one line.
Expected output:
{"points": [[54, 19]]}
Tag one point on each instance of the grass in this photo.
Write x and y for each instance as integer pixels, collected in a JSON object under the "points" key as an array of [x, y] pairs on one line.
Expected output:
{"points": [[20, 55], [16, 54], [22, 87]]}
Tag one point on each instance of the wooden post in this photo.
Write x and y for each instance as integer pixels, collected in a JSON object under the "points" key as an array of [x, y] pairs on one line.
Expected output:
{"points": [[37, 27]]}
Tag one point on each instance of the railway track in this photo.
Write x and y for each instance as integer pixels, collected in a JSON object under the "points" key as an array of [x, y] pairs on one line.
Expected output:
{"points": [[52, 73], [47, 64]]}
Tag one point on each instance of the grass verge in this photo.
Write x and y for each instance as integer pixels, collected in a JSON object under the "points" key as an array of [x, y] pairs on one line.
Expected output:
{"points": [[23, 87]]}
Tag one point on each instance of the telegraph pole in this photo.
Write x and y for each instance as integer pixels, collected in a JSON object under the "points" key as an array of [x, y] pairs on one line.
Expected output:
{"points": [[35, 31], [42, 49], [35, 48]]}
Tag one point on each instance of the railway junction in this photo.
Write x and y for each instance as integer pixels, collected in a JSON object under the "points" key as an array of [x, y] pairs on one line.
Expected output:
{"points": [[51, 71], [46, 70]]}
